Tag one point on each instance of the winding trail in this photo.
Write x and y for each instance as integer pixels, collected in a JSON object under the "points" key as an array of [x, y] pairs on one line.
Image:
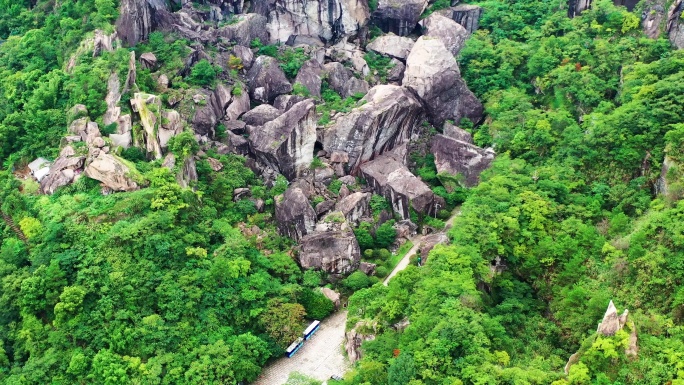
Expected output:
{"points": [[323, 355]]}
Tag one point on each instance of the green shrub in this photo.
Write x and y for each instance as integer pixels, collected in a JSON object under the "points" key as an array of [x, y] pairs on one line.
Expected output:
{"points": [[203, 73], [356, 281], [385, 235], [317, 305], [381, 271]]}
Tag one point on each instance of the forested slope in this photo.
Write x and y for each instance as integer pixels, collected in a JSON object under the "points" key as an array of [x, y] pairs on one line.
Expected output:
{"points": [[582, 112], [190, 273]]}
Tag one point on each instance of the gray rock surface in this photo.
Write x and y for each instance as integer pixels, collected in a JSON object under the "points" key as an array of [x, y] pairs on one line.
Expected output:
{"points": [[310, 77], [137, 18], [267, 80], [287, 143], [432, 73], [391, 179], [468, 15], [456, 157], [399, 16], [367, 268], [337, 75], [354, 206], [335, 252], [454, 132], [385, 121], [327, 20], [294, 215], [675, 24], [260, 115], [429, 242], [449, 32], [392, 45], [238, 106], [652, 17], [62, 171], [148, 61], [112, 172], [363, 331]]}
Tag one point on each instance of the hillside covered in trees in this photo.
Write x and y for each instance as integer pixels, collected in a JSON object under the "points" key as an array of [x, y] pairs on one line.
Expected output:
{"points": [[184, 185]]}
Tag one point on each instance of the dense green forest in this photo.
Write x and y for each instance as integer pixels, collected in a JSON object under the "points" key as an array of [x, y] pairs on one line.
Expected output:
{"points": [[582, 112], [165, 286]]}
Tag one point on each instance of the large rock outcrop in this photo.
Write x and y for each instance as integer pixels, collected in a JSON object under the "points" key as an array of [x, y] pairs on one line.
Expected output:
{"points": [[267, 80], [138, 18], [334, 251], [354, 206], [392, 45], [456, 157], [112, 172], [287, 143], [399, 16], [294, 215], [432, 73], [392, 179], [467, 15], [63, 171], [327, 20], [386, 120], [449, 32], [148, 108]]}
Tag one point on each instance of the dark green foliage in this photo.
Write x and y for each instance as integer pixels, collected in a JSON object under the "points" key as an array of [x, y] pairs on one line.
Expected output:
{"points": [[317, 305], [203, 74], [385, 235], [378, 63], [356, 281]]}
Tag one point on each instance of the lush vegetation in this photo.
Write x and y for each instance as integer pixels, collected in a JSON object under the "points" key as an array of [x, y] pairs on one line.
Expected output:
{"points": [[170, 285], [581, 112]]}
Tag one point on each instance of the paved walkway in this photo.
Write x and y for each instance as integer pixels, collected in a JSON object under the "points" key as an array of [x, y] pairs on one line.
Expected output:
{"points": [[320, 357], [407, 258], [417, 240]]}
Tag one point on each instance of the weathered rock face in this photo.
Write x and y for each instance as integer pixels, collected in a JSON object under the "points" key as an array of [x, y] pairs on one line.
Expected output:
{"points": [[260, 115], [611, 324], [391, 179], [332, 295], [392, 45], [287, 143], [456, 157], [652, 17], [675, 25], [385, 121], [457, 133], [103, 43], [294, 214], [575, 7], [310, 77], [433, 74], [354, 206], [367, 268], [337, 75], [399, 16], [148, 60], [327, 20], [285, 102], [148, 108], [238, 106], [449, 32], [335, 252], [62, 171], [137, 19], [662, 186], [171, 125], [112, 172], [467, 15], [267, 80], [362, 331], [429, 242]]}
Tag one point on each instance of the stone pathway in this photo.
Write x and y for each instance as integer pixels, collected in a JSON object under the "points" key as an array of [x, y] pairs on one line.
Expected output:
{"points": [[320, 357], [417, 240]]}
